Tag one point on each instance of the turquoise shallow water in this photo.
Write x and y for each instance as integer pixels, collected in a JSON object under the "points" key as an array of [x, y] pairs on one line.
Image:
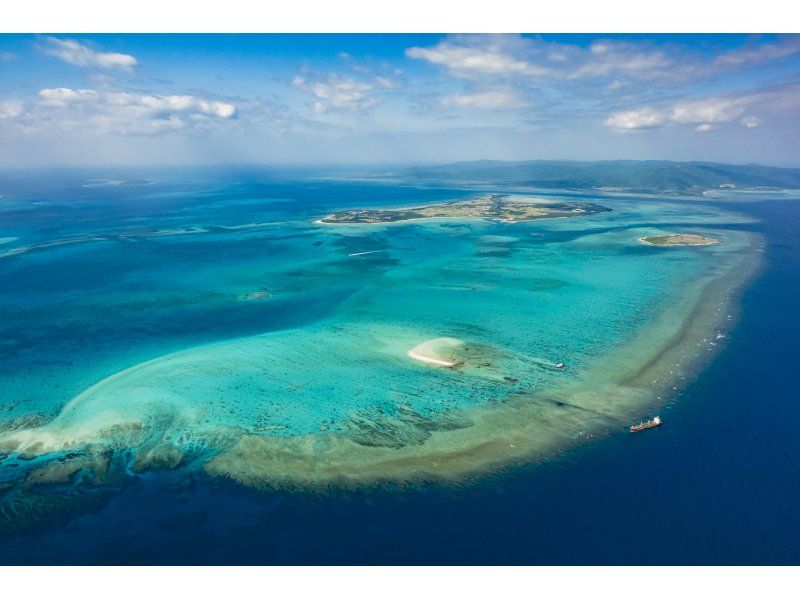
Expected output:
{"points": [[200, 314]]}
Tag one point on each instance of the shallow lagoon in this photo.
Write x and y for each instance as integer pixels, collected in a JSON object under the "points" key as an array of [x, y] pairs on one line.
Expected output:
{"points": [[220, 327]]}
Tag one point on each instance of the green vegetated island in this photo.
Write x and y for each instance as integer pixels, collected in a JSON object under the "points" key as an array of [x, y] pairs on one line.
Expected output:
{"points": [[630, 176], [678, 240], [496, 207]]}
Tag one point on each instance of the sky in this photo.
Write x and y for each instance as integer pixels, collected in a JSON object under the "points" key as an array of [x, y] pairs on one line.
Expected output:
{"points": [[117, 100]]}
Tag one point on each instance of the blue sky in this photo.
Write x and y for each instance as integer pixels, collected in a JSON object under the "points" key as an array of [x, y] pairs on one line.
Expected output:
{"points": [[109, 100]]}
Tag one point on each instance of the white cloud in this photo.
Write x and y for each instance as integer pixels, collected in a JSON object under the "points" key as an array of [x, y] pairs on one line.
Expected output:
{"points": [[754, 55], [77, 54], [703, 112], [607, 58], [710, 110], [62, 96], [642, 118], [159, 106], [343, 93], [8, 57], [476, 55], [502, 55], [11, 109], [121, 112], [612, 61], [492, 99]]}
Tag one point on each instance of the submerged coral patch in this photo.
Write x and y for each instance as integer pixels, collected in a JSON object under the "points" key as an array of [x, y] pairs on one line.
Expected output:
{"points": [[437, 352]]}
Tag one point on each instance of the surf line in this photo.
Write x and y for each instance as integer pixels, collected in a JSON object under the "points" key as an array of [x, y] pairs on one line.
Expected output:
{"points": [[365, 252]]}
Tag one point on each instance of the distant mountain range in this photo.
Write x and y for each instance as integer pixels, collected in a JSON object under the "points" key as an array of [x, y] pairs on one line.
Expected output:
{"points": [[654, 176]]}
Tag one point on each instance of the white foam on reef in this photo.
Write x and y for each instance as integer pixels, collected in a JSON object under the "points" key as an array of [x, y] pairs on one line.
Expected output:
{"points": [[365, 252]]}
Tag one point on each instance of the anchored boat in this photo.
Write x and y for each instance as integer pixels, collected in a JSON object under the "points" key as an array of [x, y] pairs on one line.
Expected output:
{"points": [[646, 425]]}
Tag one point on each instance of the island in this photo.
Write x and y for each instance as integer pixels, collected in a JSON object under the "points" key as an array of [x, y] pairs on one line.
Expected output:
{"points": [[437, 351], [678, 240], [645, 177], [504, 208]]}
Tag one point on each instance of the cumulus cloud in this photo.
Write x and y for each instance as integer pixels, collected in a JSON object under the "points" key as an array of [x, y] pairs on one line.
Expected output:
{"points": [[340, 93], [165, 106], [117, 112], [491, 99], [704, 113], [476, 55], [78, 54], [642, 118]]}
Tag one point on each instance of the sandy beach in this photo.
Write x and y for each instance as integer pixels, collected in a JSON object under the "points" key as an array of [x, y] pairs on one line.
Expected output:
{"points": [[431, 351]]}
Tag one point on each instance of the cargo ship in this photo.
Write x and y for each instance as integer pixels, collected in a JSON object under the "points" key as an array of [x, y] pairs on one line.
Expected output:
{"points": [[646, 425]]}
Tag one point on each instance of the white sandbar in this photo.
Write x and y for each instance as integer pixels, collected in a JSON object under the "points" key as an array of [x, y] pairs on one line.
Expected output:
{"points": [[430, 351]]}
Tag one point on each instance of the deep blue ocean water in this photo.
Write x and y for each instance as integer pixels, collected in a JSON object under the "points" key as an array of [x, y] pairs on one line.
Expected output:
{"points": [[717, 484]]}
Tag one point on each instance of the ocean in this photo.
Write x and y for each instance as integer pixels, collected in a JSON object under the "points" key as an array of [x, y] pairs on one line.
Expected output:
{"points": [[216, 310]]}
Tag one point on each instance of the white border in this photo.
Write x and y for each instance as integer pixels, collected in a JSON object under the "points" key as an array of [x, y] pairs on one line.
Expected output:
{"points": [[399, 582], [422, 16], [233, 16]]}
